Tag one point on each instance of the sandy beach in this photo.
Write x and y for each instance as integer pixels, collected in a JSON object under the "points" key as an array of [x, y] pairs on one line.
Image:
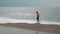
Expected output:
{"points": [[36, 27]]}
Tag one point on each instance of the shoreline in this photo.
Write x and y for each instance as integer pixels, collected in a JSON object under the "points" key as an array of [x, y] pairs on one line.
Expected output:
{"points": [[36, 27]]}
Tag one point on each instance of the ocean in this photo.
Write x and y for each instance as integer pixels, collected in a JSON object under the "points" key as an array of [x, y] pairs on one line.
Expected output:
{"points": [[48, 15]]}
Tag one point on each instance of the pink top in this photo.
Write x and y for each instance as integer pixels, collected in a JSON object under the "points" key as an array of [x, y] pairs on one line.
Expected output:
{"points": [[37, 14]]}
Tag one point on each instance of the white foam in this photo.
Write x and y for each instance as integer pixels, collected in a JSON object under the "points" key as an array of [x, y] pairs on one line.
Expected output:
{"points": [[49, 22], [9, 20]]}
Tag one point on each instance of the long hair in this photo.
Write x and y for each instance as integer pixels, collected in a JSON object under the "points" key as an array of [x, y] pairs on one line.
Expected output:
{"points": [[36, 11]]}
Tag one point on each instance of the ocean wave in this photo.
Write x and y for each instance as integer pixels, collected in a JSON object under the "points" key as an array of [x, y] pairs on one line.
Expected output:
{"points": [[9, 20]]}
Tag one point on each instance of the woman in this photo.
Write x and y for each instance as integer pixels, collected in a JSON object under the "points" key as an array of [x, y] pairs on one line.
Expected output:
{"points": [[37, 15]]}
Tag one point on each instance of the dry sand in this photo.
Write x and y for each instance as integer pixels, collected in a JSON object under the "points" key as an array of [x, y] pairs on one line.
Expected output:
{"points": [[36, 27]]}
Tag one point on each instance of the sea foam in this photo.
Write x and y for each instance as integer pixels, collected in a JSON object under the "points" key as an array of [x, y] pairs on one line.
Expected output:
{"points": [[9, 20]]}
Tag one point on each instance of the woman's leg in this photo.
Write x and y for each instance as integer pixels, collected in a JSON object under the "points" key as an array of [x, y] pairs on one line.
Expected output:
{"points": [[38, 20]]}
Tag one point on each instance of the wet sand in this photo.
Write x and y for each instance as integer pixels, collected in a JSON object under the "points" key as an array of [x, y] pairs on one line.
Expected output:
{"points": [[36, 27]]}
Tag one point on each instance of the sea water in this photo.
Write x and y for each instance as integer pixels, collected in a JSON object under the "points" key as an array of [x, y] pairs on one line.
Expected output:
{"points": [[50, 15]]}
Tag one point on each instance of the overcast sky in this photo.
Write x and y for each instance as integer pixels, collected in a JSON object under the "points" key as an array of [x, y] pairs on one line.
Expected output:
{"points": [[29, 3]]}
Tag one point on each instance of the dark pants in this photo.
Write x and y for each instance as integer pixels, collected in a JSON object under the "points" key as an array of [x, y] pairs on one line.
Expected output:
{"points": [[37, 18]]}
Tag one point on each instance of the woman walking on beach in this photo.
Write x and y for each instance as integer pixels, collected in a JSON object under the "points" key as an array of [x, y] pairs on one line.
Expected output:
{"points": [[37, 16]]}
